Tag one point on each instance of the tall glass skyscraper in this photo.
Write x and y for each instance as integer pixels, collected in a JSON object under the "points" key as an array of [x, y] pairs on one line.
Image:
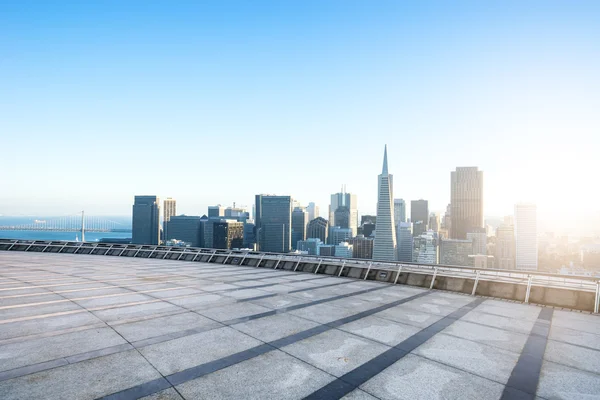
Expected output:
{"points": [[145, 224], [466, 199], [349, 203], [274, 223], [384, 246], [526, 237]]}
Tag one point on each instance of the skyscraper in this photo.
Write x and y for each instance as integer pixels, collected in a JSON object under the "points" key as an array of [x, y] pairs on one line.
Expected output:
{"points": [[466, 199], [145, 224], [274, 223], [169, 210], [362, 247], [479, 238], [455, 252], [505, 247], [399, 211], [419, 216], [318, 228], [299, 225], [312, 210], [384, 246], [526, 237], [228, 234], [425, 248], [348, 200], [185, 228], [216, 211], [405, 242]]}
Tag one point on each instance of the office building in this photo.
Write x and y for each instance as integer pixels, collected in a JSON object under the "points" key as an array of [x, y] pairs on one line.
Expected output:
{"points": [[310, 245], [372, 219], [405, 241], [228, 234], [313, 211], [526, 254], [466, 199], [318, 228], [399, 211], [425, 248], [216, 211], [419, 216], [455, 252], [169, 210], [326, 250], [338, 234], [362, 247], [299, 225], [341, 217], [249, 234], [145, 223], [434, 222], [240, 214], [343, 250], [274, 223], [479, 238], [348, 201], [505, 247], [384, 247], [185, 228]]}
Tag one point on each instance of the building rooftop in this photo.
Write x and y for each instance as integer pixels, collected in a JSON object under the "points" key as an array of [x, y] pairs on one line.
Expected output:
{"points": [[84, 327]]}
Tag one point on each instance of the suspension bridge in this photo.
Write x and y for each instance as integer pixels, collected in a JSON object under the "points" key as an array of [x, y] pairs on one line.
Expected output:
{"points": [[71, 223]]}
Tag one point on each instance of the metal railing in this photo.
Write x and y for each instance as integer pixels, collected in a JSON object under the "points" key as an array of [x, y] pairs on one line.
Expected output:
{"points": [[243, 257]]}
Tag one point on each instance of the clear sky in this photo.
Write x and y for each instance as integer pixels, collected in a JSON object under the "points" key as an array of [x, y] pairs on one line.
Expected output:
{"points": [[214, 101]]}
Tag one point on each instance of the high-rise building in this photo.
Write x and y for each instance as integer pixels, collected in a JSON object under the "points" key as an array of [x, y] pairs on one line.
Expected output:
{"points": [[318, 228], [145, 224], [338, 234], [343, 250], [455, 252], [326, 250], [312, 210], [274, 222], [310, 245], [349, 201], [505, 247], [405, 242], [384, 246], [249, 234], [238, 213], [434, 222], [185, 228], [299, 225], [479, 238], [526, 237], [169, 210], [425, 248], [228, 234], [216, 211], [362, 247], [466, 199], [399, 211], [419, 216]]}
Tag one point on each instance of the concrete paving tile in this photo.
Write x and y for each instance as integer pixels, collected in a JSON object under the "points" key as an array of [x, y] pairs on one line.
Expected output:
{"points": [[486, 361], [15, 292], [561, 382], [275, 327], [576, 337], [578, 321], [113, 300], [21, 354], [335, 352], [189, 351], [279, 301], [110, 374], [428, 307], [141, 330], [381, 330], [312, 295], [247, 293], [168, 394], [409, 316], [358, 394], [574, 356], [232, 311], [496, 321], [32, 327], [202, 301], [176, 292], [41, 309], [218, 287], [521, 312], [352, 302], [41, 298], [323, 313], [414, 377], [137, 311], [98, 292], [504, 339], [260, 378]]}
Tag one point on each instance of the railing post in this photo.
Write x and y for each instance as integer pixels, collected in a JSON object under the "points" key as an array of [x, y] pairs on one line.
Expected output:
{"points": [[475, 284], [181, 255], [298, 263], [341, 269], [211, 256], [228, 255], [368, 270], [259, 261], [152, 252], [198, 252], [597, 302], [278, 261], [243, 258], [433, 277], [122, 251], [398, 274], [530, 278], [318, 265], [12, 245]]}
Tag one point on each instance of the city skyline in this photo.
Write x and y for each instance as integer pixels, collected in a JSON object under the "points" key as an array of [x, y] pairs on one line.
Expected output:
{"points": [[207, 78]]}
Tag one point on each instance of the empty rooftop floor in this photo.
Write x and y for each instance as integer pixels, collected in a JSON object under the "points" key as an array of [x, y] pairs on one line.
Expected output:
{"points": [[87, 327]]}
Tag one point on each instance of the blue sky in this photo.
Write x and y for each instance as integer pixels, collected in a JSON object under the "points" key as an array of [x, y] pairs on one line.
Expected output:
{"points": [[214, 101]]}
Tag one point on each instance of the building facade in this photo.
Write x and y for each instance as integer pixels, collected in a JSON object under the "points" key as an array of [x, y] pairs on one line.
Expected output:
{"points": [[228, 234], [145, 223], [455, 252], [505, 247], [526, 241], [425, 248], [405, 241], [299, 225], [362, 247], [318, 228], [338, 235], [310, 245], [466, 200], [185, 228], [349, 201], [274, 222], [419, 216], [479, 238], [384, 246], [216, 211], [343, 250], [169, 210], [399, 211], [313, 211]]}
